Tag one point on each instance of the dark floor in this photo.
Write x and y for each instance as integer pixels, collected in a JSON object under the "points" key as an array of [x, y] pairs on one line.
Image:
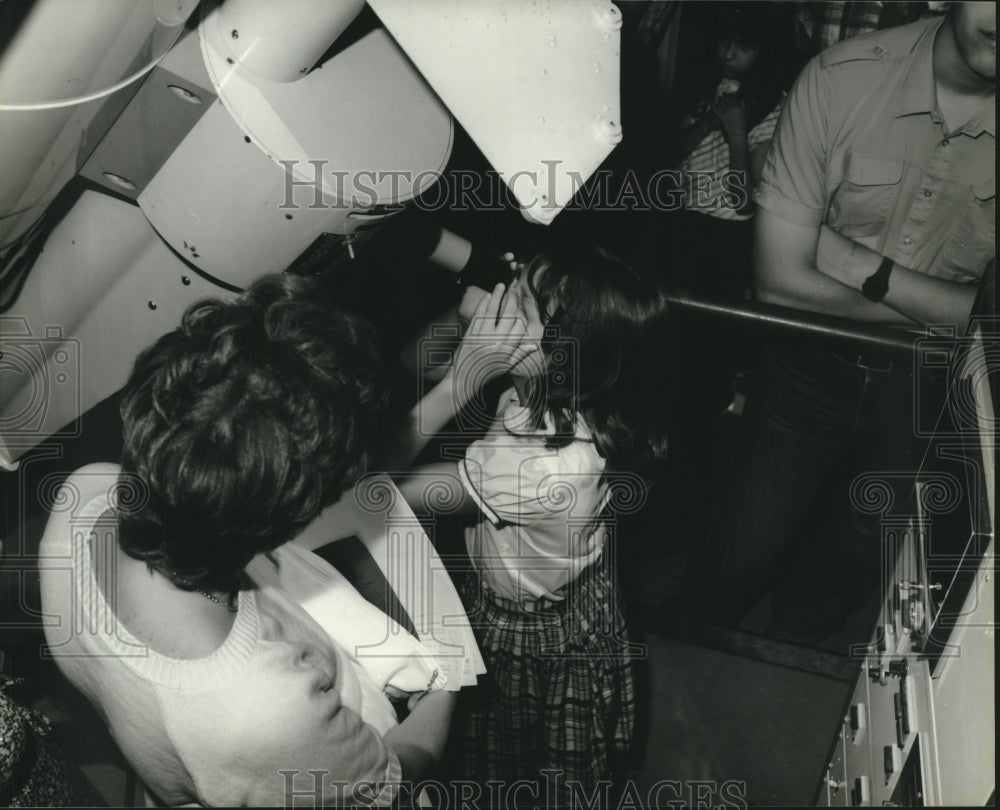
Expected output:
{"points": [[748, 728]]}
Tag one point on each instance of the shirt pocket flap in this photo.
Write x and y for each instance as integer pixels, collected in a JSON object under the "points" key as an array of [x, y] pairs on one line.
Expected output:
{"points": [[986, 190], [864, 170]]}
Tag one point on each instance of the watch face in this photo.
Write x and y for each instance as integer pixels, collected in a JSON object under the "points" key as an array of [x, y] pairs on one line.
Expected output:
{"points": [[874, 291], [877, 284]]}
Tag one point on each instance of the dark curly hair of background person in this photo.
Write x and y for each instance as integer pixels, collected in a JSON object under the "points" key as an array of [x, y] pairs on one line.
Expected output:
{"points": [[241, 425]]}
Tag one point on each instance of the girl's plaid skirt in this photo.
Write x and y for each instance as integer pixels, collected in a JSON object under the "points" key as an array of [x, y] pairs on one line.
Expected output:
{"points": [[558, 692]]}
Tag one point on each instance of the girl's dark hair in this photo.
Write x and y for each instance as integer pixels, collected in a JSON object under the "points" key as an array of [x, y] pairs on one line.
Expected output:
{"points": [[241, 425], [768, 26], [604, 326]]}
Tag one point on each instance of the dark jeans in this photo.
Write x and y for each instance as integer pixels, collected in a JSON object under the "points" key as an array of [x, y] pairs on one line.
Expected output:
{"points": [[815, 420]]}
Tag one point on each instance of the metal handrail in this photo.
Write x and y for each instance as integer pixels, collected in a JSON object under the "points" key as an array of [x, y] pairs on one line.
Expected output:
{"points": [[782, 320], [785, 320]]}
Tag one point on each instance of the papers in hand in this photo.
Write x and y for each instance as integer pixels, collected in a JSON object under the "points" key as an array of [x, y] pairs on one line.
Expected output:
{"points": [[377, 515]]}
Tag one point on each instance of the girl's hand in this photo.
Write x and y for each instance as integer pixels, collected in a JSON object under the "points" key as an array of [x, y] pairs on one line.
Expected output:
{"points": [[493, 343], [512, 262], [473, 295], [393, 693], [730, 113], [399, 695], [471, 298]]}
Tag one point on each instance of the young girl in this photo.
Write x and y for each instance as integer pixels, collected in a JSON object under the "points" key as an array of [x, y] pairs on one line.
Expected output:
{"points": [[727, 114], [576, 329]]}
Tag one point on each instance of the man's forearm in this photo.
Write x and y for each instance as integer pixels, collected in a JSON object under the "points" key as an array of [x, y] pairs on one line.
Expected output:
{"points": [[931, 300], [917, 296], [785, 273], [818, 293]]}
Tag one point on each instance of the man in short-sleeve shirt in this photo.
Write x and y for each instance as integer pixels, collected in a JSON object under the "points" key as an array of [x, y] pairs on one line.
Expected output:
{"points": [[877, 147], [876, 204]]}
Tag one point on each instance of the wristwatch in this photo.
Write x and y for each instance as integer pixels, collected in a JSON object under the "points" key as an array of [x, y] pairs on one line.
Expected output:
{"points": [[877, 284]]}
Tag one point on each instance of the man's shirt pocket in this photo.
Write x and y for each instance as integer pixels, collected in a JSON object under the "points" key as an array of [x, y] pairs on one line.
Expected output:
{"points": [[972, 243], [864, 194]]}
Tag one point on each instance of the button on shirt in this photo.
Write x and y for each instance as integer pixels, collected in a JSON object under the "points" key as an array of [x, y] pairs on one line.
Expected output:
{"points": [[862, 148]]}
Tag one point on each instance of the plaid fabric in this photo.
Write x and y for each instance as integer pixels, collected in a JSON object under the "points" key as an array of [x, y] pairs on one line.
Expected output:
{"points": [[834, 22], [559, 692]]}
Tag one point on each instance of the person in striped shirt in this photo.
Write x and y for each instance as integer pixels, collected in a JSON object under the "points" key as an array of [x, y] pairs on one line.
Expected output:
{"points": [[728, 114]]}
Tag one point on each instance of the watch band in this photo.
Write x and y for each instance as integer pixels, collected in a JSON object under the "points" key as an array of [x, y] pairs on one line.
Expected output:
{"points": [[877, 284]]}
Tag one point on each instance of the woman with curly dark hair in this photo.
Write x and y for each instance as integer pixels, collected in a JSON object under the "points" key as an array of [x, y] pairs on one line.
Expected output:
{"points": [[240, 427]]}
